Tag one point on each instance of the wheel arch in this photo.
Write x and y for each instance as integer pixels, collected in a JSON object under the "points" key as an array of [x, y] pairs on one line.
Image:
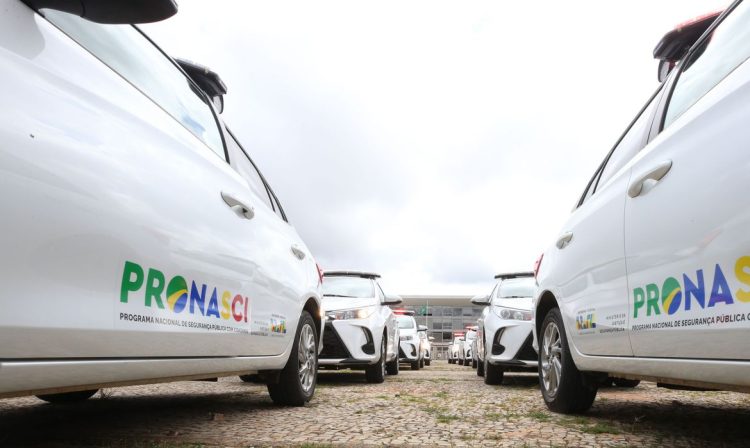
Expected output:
{"points": [[312, 307], [547, 301]]}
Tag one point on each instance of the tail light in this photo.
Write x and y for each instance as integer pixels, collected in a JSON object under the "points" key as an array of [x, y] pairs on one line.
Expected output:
{"points": [[538, 264]]}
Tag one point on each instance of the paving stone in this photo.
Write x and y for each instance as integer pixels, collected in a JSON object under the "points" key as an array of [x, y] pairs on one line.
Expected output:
{"points": [[442, 405]]}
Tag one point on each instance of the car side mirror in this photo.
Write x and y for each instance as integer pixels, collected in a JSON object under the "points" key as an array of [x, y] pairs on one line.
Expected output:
{"points": [[665, 67], [422, 328], [392, 299], [111, 11], [481, 300]]}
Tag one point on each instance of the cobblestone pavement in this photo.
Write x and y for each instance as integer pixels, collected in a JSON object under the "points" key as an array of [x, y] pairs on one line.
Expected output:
{"points": [[442, 405]]}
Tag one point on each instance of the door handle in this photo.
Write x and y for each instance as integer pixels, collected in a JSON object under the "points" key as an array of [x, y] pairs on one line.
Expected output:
{"points": [[564, 240], [299, 253], [240, 207], [655, 174]]}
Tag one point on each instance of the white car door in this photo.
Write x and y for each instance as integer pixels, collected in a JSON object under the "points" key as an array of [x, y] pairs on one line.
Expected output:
{"points": [[589, 256], [115, 236], [687, 217]]}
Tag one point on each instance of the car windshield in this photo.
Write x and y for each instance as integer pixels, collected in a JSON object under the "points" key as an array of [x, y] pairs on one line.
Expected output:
{"points": [[356, 287], [516, 287], [405, 322]]}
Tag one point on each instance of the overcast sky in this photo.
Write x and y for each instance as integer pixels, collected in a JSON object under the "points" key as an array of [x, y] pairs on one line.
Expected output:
{"points": [[436, 143]]}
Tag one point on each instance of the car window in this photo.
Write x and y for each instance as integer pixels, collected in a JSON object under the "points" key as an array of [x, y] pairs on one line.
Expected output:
{"points": [[517, 287], [129, 53], [710, 61], [276, 206], [355, 287], [630, 143], [242, 163], [405, 322]]}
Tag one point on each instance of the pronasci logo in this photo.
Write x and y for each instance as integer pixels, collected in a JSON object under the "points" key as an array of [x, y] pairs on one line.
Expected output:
{"points": [[692, 292], [218, 304]]}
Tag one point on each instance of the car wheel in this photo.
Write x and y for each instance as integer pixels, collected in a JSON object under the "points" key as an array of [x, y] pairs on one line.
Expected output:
{"points": [[376, 372], [622, 382], [480, 368], [473, 363], [562, 384], [297, 380], [427, 362], [493, 375], [68, 397], [421, 363], [415, 365], [467, 362], [392, 367]]}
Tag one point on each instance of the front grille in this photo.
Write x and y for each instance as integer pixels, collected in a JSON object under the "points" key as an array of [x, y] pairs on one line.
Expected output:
{"points": [[527, 352], [333, 346]]}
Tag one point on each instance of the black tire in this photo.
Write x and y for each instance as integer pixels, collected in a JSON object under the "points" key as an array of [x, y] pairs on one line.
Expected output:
{"points": [[493, 375], [392, 367], [480, 368], [467, 362], [290, 391], [474, 363], [68, 397], [622, 382], [415, 365], [421, 363], [427, 362], [572, 393], [376, 373], [450, 361]]}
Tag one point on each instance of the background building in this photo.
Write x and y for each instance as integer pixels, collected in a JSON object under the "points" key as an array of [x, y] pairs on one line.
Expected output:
{"points": [[443, 315]]}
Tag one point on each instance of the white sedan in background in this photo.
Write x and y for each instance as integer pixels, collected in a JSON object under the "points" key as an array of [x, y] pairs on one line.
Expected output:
{"points": [[649, 278], [504, 336], [409, 349], [361, 331], [139, 241]]}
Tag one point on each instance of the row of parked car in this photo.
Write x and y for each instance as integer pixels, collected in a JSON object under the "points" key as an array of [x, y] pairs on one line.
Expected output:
{"points": [[140, 242], [649, 278]]}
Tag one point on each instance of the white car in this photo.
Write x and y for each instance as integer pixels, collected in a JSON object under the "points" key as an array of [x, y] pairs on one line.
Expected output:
{"points": [[361, 331], [409, 347], [504, 334], [426, 345], [650, 276], [455, 350], [466, 353], [139, 242]]}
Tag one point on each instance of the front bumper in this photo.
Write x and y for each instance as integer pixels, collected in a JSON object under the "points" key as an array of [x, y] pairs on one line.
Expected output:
{"points": [[512, 346], [408, 351], [351, 342]]}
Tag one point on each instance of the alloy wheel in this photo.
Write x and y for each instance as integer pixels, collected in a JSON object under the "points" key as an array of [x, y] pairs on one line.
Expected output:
{"points": [[551, 358], [307, 359]]}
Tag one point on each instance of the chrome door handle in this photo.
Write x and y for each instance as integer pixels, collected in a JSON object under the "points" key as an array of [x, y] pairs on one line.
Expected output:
{"points": [[298, 252], [655, 174], [244, 210], [564, 240]]}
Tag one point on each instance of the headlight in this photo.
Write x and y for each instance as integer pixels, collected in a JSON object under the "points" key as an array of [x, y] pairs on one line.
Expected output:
{"points": [[357, 313], [407, 337], [511, 313]]}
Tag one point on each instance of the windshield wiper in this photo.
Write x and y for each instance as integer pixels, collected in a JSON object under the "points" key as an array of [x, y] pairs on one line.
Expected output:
{"points": [[337, 295]]}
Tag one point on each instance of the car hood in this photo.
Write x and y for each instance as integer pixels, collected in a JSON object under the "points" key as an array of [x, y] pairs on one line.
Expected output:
{"points": [[346, 303], [520, 303]]}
